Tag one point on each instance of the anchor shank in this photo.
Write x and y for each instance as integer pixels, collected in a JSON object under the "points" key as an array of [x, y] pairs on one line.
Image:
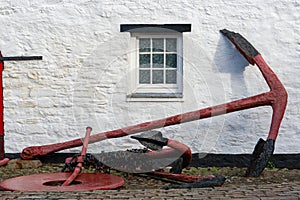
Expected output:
{"points": [[246, 103]]}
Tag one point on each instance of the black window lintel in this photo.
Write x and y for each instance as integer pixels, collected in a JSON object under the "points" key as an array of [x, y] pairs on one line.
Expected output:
{"points": [[155, 27]]}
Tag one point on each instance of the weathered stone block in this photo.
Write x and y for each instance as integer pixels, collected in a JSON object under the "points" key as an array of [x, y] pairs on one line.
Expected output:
{"points": [[24, 164]]}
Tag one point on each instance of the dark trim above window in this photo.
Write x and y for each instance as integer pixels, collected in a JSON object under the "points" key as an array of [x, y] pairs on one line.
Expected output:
{"points": [[155, 95], [152, 27]]}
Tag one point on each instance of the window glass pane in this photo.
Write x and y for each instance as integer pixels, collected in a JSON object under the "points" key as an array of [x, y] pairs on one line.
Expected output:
{"points": [[171, 45], [144, 60], [171, 76], [158, 45], [144, 45], [158, 60], [171, 60], [144, 77], [157, 76]]}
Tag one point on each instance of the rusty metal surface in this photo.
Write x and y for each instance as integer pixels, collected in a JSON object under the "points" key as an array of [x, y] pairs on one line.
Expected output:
{"points": [[135, 160], [50, 182], [276, 97], [77, 170], [179, 177], [65, 181]]}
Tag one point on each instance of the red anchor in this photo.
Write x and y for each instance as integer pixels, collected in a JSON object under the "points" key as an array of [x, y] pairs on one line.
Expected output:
{"points": [[276, 98]]}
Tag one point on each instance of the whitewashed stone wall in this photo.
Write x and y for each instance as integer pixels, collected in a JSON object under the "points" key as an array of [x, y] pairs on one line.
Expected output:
{"points": [[82, 79]]}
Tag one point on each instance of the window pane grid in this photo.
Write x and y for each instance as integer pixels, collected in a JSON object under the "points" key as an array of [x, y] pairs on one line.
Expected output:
{"points": [[158, 61]]}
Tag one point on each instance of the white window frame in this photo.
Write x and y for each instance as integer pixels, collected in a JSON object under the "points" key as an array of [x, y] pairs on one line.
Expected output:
{"points": [[154, 92]]}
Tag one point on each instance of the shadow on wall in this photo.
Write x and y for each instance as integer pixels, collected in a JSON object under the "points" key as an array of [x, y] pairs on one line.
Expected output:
{"points": [[228, 60]]}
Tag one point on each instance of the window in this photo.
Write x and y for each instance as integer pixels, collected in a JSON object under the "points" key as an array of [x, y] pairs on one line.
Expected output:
{"points": [[156, 63], [157, 60]]}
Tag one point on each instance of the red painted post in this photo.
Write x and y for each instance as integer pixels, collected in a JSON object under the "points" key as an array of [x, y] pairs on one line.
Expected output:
{"points": [[3, 160]]}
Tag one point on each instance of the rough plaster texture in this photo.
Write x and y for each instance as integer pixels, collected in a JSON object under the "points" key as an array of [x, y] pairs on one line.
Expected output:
{"points": [[83, 77]]}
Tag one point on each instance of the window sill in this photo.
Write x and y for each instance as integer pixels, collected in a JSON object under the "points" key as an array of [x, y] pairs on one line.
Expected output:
{"points": [[155, 97]]}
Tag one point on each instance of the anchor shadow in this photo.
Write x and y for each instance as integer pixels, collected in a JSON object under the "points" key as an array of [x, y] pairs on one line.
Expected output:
{"points": [[228, 60]]}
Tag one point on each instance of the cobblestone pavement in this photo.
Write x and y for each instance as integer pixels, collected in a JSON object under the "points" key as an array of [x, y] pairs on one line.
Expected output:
{"points": [[284, 191]]}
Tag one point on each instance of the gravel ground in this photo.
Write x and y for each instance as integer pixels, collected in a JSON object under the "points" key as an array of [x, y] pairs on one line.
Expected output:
{"points": [[272, 184], [234, 176]]}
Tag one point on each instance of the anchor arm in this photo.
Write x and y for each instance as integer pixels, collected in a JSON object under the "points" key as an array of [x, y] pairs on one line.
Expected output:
{"points": [[277, 98], [278, 95]]}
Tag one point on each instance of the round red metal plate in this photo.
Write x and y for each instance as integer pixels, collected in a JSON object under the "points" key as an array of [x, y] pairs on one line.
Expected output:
{"points": [[52, 182]]}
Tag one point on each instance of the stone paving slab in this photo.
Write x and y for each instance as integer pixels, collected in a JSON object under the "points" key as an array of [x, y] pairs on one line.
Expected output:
{"points": [[284, 191]]}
